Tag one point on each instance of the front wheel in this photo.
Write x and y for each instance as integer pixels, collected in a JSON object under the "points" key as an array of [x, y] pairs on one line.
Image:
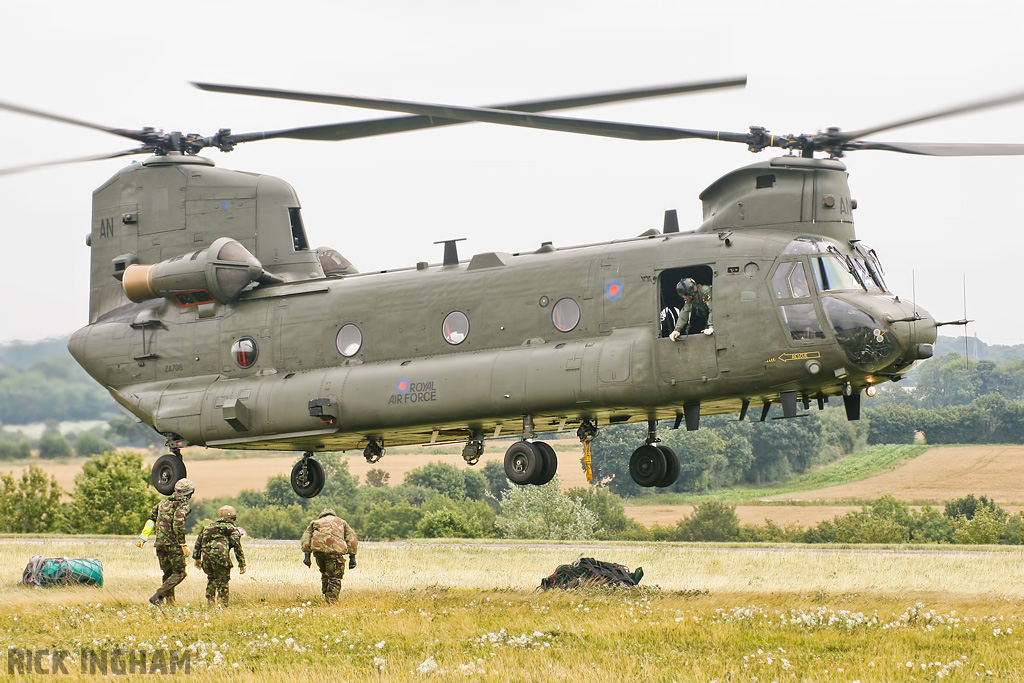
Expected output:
{"points": [[167, 470], [308, 478]]}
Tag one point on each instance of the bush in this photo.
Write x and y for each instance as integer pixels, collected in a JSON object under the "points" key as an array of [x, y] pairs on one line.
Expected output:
{"points": [[543, 512], [387, 521], [88, 445], [30, 504], [54, 446], [985, 527], [112, 495], [275, 521], [710, 521], [14, 450]]}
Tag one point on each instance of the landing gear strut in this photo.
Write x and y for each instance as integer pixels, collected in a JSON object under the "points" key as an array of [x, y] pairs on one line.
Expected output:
{"points": [[308, 476], [167, 470]]}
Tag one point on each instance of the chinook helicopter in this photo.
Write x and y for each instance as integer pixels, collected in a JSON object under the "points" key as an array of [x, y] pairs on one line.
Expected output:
{"points": [[214, 322]]}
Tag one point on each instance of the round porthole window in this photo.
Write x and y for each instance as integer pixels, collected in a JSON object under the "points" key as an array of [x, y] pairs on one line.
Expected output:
{"points": [[350, 340], [245, 352], [455, 327], [566, 315]]}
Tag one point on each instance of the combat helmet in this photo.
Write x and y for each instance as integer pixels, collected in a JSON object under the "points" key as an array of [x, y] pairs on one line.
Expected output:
{"points": [[185, 487], [686, 287], [328, 511], [226, 512]]}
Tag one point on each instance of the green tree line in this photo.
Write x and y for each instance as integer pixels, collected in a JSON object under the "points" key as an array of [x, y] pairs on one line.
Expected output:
{"points": [[112, 496]]}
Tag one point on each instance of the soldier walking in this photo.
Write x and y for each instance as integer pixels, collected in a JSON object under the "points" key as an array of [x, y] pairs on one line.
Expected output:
{"points": [[167, 524], [213, 554], [329, 538]]}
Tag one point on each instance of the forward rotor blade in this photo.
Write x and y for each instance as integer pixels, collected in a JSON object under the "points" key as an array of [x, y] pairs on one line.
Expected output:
{"points": [[61, 162], [628, 131], [361, 129], [123, 132], [943, 149], [950, 111]]}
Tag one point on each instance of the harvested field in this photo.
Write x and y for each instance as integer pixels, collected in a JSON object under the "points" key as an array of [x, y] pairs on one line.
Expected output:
{"points": [[939, 474]]}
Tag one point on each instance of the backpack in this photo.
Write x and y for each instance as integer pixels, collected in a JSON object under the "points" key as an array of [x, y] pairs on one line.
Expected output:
{"points": [[586, 571]]}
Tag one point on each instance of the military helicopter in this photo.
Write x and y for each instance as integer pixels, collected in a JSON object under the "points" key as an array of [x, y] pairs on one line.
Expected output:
{"points": [[214, 322]]}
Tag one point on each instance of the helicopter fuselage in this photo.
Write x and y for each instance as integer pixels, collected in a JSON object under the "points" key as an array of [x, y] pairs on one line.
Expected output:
{"points": [[440, 352]]}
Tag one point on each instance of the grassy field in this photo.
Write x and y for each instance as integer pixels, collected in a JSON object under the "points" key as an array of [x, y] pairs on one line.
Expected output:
{"points": [[444, 611]]}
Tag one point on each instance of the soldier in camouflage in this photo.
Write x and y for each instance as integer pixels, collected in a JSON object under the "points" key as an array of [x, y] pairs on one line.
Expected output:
{"points": [[329, 538], [167, 525], [213, 554]]}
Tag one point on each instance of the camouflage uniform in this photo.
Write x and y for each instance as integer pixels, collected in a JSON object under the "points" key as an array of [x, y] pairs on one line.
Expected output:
{"points": [[169, 517], [213, 550], [699, 308], [330, 538]]}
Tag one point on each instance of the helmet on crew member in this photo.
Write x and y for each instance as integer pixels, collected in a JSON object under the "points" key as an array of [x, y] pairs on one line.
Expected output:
{"points": [[184, 487], [227, 512], [686, 287]]}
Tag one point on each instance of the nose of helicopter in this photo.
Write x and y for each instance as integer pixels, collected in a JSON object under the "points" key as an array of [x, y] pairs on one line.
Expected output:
{"points": [[916, 332]]}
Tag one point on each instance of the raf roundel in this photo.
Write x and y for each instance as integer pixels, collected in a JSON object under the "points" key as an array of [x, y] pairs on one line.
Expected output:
{"points": [[402, 386], [613, 290]]}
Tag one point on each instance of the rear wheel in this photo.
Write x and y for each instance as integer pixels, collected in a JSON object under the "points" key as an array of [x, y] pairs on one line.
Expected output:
{"points": [[546, 473], [522, 462], [308, 478], [167, 470], [647, 466]]}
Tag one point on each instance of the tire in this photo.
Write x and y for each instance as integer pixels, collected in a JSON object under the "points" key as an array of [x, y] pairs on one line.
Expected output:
{"points": [[308, 478], [167, 470], [647, 466], [522, 461], [671, 469], [546, 473]]}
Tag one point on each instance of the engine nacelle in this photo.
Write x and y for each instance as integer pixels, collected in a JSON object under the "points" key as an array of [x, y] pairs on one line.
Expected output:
{"points": [[218, 273]]}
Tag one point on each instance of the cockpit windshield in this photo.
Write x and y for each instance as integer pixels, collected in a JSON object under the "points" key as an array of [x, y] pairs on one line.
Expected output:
{"points": [[868, 263], [833, 273]]}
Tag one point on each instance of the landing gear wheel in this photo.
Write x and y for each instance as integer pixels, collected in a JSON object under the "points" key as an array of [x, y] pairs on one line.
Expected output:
{"points": [[308, 478], [672, 466], [167, 470], [647, 466], [522, 462], [550, 460]]}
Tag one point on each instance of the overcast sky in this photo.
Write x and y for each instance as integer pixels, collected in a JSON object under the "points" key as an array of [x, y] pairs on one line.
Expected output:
{"points": [[936, 222]]}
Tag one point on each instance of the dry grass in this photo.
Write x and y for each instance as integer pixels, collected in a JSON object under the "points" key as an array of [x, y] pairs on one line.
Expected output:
{"points": [[444, 611]]}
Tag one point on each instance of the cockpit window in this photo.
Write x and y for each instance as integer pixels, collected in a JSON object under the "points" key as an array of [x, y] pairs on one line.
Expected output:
{"points": [[790, 281], [805, 244], [832, 274]]}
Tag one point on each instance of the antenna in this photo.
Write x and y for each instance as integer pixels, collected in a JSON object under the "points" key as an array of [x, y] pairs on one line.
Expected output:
{"points": [[967, 347]]}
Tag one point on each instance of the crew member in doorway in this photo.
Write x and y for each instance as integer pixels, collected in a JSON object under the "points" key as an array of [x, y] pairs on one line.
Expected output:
{"points": [[695, 315]]}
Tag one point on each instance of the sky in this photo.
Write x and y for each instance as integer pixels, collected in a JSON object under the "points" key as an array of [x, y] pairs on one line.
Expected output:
{"points": [[948, 230]]}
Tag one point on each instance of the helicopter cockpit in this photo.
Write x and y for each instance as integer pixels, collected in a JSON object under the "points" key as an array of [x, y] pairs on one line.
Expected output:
{"points": [[848, 283]]}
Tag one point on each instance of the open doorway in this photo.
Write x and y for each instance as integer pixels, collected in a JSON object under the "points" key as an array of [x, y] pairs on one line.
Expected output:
{"points": [[671, 303]]}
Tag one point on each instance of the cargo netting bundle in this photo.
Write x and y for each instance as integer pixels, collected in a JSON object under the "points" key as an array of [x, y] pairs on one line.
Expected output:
{"points": [[586, 571], [62, 571]]}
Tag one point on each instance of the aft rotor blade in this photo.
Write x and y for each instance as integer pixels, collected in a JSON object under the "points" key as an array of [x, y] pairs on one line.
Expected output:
{"points": [[628, 131], [123, 132], [941, 113], [61, 162], [943, 149], [361, 129]]}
